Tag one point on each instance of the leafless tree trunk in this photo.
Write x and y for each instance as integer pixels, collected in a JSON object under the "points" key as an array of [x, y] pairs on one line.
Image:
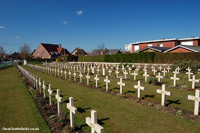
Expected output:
{"points": [[25, 49]]}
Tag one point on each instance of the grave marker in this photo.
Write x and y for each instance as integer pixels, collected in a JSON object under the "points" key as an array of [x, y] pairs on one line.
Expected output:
{"points": [[193, 80], [50, 93], [163, 92], [121, 86], [196, 100], [96, 78], [72, 110], [107, 81], [58, 101], [139, 88], [92, 122]]}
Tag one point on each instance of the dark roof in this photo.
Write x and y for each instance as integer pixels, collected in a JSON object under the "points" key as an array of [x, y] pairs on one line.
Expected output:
{"points": [[159, 49], [111, 51], [50, 47], [105, 52], [79, 51], [191, 48]]}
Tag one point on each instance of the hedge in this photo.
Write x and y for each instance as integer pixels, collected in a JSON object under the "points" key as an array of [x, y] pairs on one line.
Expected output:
{"points": [[134, 58], [173, 57], [145, 57]]}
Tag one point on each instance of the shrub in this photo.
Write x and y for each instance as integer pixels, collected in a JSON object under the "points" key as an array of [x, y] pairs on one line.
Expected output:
{"points": [[152, 80], [194, 65]]}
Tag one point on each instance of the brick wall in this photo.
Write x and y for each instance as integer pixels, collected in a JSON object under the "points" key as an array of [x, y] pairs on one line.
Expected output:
{"points": [[179, 50]]}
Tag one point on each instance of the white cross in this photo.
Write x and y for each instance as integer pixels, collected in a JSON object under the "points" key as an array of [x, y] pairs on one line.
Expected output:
{"points": [[139, 88], [174, 78], [92, 122], [88, 69], [61, 72], [152, 67], [188, 69], [178, 69], [107, 81], [159, 77], [65, 74], [145, 67], [40, 84], [164, 71], [88, 78], [36, 83], [80, 75], [145, 70], [103, 71], [69, 75], [160, 68], [72, 110], [168, 69], [117, 72], [44, 88], [125, 73], [98, 71], [58, 100], [74, 76], [154, 71], [134, 74], [110, 72], [92, 70], [50, 93], [96, 78], [196, 100], [175, 72], [146, 76], [189, 72], [163, 92], [121, 86], [193, 80], [84, 69]]}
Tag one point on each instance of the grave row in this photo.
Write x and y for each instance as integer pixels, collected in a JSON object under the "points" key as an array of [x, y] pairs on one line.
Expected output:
{"points": [[163, 92], [37, 84]]}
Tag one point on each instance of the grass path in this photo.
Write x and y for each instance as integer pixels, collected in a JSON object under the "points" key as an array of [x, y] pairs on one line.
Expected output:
{"points": [[116, 114], [17, 108]]}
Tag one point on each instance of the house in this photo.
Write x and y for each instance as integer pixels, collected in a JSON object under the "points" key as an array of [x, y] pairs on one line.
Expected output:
{"points": [[169, 43], [49, 51], [78, 52], [183, 48], [153, 49], [105, 52]]}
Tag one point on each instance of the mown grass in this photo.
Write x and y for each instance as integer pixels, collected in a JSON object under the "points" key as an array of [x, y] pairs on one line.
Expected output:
{"points": [[116, 114], [17, 108]]}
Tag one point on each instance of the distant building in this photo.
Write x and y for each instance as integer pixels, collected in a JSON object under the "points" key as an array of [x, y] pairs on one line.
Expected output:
{"points": [[49, 51], [183, 48], [153, 49], [168, 43], [105, 52], [78, 52]]}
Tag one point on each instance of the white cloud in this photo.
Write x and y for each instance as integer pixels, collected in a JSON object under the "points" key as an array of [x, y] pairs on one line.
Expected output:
{"points": [[2, 27], [17, 37], [65, 22], [79, 12]]}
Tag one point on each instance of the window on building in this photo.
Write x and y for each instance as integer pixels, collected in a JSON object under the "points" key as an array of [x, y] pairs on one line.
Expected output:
{"points": [[160, 45], [136, 47], [150, 45], [37, 53]]}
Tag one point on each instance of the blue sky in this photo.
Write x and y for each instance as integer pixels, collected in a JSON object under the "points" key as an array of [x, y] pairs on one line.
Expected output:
{"points": [[88, 23]]}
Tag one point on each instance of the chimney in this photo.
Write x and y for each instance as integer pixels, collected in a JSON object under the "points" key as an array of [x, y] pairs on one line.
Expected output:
{"points": [[192, 37], [101, 52], [59, 45], [163, 38]]}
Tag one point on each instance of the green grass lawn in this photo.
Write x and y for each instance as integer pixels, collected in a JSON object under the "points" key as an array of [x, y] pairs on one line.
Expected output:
{"points": [[17, 108], [116, 114]]}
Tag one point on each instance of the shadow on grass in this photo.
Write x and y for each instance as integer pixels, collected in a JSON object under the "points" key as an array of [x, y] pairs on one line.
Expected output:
{"points": [[82, 110], [100, 121], [116, 88], [130, 92], [169, 102], [80, 128], [146, 96]]}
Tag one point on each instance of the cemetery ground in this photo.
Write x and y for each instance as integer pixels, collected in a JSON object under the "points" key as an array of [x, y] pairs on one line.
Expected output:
{"points": [[17, 108], [116, 114]]}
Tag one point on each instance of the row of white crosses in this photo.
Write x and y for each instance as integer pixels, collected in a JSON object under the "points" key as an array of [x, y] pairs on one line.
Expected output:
{"points": [[196, 98]]}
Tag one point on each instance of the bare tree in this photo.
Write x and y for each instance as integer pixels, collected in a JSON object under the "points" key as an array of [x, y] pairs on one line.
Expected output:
{"points": [[25, 49], [1, 51], [100, 48]]}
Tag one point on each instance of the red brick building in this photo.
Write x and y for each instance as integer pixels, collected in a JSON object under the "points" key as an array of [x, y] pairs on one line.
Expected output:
{"points": [[168, 43], [49, 51]]}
